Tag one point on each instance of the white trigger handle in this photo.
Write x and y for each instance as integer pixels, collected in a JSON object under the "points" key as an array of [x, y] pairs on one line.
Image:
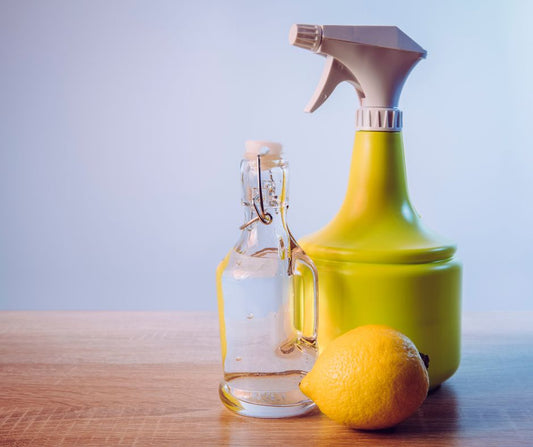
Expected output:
{"points": [[334, 73]]}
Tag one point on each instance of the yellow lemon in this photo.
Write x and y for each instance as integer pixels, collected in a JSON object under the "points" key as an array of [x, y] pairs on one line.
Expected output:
{"points": [[371, 377]]}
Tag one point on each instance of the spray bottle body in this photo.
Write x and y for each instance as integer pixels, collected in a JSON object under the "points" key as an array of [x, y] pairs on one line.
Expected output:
{"points": [[378, 264]]}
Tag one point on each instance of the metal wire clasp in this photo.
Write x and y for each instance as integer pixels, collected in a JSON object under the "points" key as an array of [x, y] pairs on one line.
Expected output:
{"points": [[264, 217]]}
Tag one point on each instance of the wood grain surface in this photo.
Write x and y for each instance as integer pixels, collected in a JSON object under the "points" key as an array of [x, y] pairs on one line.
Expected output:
{"points": [[150, 379]]}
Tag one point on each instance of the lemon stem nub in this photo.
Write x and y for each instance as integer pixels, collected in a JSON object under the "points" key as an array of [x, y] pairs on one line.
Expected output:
{"points": [[425, 359]]}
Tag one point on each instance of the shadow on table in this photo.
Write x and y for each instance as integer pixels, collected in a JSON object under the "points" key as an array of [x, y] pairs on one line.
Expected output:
{"points": [[438, 415], [438, 418]]}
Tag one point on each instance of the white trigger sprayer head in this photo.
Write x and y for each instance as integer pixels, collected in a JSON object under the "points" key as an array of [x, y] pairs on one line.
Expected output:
{"points": [[376, 60]]}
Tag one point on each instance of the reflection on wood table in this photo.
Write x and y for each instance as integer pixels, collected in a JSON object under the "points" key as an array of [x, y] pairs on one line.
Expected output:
{"points": [[150, 378]]}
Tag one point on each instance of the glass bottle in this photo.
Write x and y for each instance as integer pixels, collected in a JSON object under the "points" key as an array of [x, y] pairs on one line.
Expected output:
{"points": [[262, 300]]}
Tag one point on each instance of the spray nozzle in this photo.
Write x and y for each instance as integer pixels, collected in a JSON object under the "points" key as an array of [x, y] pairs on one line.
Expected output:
{"points": [[306, 36], [376, 60]]}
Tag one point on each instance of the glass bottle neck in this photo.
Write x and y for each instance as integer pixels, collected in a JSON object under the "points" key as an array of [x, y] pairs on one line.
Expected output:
{"points": [[262, 239], [272, 177], [265, 209]]}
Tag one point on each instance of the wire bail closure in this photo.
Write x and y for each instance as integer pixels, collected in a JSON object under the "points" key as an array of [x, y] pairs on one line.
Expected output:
{"points": [[262, 216]]}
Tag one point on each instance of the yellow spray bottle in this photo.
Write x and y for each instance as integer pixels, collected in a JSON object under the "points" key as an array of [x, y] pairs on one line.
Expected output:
{"points": [[377, 262]]}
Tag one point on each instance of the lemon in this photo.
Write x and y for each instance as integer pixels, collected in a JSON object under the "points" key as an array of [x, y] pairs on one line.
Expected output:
{"points": [[371, 377]]}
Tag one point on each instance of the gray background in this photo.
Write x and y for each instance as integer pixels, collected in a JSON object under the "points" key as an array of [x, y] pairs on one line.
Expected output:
{"points": [[122, 125]]}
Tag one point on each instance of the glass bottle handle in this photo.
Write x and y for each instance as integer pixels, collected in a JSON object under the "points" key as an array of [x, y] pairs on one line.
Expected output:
{"points": [[299, 256]]}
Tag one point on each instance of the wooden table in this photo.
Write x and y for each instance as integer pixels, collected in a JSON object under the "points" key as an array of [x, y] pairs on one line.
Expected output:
{"points": [[150, 379]]}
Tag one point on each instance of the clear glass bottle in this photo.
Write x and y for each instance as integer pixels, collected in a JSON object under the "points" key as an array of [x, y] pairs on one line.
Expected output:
{"points": [[266, 349]]}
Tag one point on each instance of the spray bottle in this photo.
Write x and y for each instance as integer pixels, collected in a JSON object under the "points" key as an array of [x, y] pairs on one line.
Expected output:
{"points": [[377, 262]]}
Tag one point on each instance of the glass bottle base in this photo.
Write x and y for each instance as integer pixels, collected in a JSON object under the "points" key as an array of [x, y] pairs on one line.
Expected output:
{"points": [[265, 395]]}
